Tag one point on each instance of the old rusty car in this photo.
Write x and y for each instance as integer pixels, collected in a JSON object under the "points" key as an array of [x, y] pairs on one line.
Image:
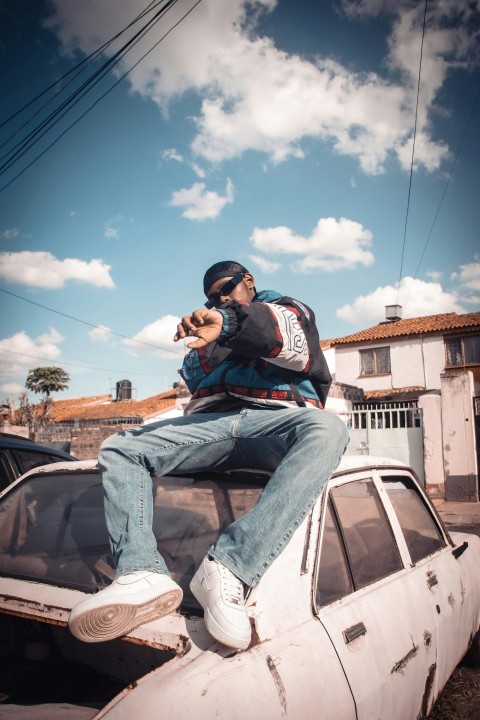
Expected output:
{"points": [[365, 614]]}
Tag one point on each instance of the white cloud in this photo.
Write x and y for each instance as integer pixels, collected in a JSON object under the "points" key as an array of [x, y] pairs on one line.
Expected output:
{"points": [[10, 233], [172, 154], [472, 300], [201, 204], [417, 298], [266, 266], [42, 269], [333, 245], [469, 276], [111, 232], [255, 96], [434, 275], [199, 172], [100, 334], [12, 388], [159, 333], [19, 352]]}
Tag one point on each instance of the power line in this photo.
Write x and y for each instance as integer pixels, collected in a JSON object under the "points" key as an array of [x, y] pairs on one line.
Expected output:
{"points": [[77, 69], [450, 175], [60, 111], [413, 150], [97, 327], [102, 96], [70, 363]]}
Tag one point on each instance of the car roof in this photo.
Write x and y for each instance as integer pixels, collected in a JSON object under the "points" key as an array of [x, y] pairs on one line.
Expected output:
{"points": [[9, 440], [349, 463]]}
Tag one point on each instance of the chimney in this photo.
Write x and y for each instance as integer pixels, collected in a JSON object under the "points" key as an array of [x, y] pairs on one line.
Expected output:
{"points": [[393, 313]]}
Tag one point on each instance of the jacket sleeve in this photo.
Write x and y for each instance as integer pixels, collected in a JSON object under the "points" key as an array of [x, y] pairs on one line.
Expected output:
{"points": [[197, 364], [270, 331]]}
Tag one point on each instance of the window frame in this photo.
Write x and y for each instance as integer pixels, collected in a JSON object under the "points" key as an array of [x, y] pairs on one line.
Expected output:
{"points": [[375, 475], [375, 372], [461, 339]]}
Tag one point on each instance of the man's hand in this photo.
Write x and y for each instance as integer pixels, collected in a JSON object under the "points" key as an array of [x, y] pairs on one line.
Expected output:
{"points": [[204, 324]]}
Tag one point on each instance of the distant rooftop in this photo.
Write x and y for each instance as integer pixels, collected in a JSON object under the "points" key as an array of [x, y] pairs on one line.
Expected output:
{"points": [[448, 323], [102, 407]]}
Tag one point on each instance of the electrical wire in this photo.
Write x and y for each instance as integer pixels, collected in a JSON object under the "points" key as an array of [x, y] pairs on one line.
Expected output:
{"points": [[77, 70], [85, 60], [413, 151], [450, 175], [46, 125], [66, 361], [4, 187], [97, 327]]}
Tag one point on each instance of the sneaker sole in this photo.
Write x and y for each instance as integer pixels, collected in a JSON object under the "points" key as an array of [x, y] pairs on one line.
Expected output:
{"points": [[233, 641], [117, 619]]}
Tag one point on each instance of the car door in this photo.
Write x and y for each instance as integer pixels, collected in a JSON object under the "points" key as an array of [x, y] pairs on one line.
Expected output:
{"points": [[446, 574], [376, 611]]}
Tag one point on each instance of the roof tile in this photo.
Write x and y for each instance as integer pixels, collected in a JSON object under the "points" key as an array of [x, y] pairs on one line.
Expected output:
{"points": [[429, 324]]}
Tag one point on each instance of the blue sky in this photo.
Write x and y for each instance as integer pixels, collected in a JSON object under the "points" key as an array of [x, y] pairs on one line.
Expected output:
{"points": [[275, 133]]}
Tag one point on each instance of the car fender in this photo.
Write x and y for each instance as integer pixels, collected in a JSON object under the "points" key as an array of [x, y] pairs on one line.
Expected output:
{"points": [[262, 683]]}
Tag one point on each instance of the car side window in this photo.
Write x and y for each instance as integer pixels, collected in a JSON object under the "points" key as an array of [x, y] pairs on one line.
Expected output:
{"points": [[28, 459], [334, 578], [358, 544], [5, 472], [421, 531]]}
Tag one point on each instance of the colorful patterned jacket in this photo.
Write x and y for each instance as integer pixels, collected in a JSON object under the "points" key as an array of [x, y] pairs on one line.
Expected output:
{"points": [[267, 354]]}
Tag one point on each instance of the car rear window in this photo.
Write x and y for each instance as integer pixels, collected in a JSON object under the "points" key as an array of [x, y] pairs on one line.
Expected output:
{"points": [[29, 459], [52, 526]]}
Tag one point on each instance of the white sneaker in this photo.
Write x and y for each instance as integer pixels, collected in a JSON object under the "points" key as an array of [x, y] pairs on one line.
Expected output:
{"points": [[131, 600], [220, 593]]}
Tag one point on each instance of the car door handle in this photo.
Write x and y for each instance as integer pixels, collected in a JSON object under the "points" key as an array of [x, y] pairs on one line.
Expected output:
{"points": [[352, 633]]}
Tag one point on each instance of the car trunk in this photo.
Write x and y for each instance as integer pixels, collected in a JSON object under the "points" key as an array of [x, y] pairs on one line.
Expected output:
{"points": [[42, 663]]}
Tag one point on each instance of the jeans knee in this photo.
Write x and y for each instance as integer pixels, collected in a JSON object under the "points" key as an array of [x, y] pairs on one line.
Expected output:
{"points": [[338, 431], [112, 443], [331, 427]]}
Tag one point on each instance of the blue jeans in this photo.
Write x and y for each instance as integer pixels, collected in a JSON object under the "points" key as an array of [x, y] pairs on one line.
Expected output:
{"points": [[301, 446]]}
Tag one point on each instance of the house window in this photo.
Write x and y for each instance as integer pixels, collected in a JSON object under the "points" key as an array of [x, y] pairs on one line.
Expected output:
{"points": [[375, 361], [462, 351]]}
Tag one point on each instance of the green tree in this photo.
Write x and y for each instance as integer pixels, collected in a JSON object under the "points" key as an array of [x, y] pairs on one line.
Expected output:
{"points": [[46, 380]]}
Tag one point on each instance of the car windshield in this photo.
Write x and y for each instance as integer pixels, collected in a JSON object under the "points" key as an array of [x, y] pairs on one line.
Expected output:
{"points": [[52, 526]]}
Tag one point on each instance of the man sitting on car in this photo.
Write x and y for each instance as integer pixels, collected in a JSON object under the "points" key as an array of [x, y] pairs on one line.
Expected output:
{"points": [[259, 383]]}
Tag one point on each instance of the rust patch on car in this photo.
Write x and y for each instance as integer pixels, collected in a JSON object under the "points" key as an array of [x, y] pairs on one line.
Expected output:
{"points": [[432, 580], [400, 666], [278, 682], [428, 689], [451, 600], [255, 638], [427, 638]]}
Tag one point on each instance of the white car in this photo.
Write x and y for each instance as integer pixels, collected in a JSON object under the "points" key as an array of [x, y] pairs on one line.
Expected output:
{"points": [[365, 614]]}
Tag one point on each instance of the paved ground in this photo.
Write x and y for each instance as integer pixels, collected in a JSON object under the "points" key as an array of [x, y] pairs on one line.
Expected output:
{"points": [[460, 699]]}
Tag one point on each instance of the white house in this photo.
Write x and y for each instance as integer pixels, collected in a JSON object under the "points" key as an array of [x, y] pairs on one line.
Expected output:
{"points": [[421, 381]]}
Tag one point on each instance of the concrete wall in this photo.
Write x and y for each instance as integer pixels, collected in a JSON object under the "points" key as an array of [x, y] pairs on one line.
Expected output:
{"points": [[414, 363], [431, 406], [459, 448], [83, 443]]}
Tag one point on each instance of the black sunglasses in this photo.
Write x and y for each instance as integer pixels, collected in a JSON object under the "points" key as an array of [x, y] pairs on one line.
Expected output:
{"points": [[214, 300]]}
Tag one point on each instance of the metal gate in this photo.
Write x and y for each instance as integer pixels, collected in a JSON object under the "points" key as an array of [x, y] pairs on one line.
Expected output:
{"points": [[392, 429]]}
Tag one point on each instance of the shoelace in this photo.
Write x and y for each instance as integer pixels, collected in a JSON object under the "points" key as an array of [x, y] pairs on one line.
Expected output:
{"points": [[232, 587]]}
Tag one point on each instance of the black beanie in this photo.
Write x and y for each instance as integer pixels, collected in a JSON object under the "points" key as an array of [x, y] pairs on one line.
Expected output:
{"points": [[225, 268]]}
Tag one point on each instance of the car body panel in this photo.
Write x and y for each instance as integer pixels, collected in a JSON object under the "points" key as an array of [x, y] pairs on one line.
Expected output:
{"points": [[418, 619]]}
